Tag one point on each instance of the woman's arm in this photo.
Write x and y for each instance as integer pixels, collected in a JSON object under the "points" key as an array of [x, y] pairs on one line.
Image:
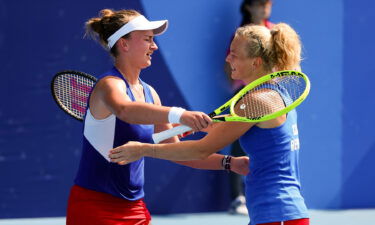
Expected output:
{"points": [[239, 165], [110, 97], [220, 136]]}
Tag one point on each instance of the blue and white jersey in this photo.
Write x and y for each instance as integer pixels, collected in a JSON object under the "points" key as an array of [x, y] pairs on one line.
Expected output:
{"points": [[95, 171], [273, 184]]}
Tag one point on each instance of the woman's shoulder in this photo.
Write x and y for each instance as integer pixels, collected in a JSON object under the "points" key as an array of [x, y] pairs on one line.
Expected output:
{"points": [[110, 79], [110, 83]]}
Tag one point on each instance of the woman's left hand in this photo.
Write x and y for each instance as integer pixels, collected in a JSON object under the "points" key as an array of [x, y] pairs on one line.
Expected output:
{"points": [[127, 153], [240, 165]]}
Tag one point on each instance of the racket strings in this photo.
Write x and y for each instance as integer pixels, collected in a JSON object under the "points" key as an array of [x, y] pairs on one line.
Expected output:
{"points": [[270, 97], [72, 91]]}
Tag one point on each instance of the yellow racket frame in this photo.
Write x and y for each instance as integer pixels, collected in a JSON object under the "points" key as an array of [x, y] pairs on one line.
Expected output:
{"points": [[261, 80]]}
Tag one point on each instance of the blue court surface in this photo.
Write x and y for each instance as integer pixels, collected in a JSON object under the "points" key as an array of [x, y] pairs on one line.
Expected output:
{"points": [[318, 217]]}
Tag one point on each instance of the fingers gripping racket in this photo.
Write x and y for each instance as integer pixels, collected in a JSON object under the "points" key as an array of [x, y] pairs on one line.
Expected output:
{"points": [[264, 99], [71, 90]]}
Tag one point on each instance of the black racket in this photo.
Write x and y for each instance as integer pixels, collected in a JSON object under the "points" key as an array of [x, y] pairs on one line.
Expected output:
{"points": [[71, 90]]}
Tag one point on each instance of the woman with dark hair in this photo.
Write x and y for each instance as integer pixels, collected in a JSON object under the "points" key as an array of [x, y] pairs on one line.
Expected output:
{"points": [[124, 108]]}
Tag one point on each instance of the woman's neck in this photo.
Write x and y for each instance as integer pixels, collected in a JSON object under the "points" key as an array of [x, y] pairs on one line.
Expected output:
{"points": [[256, 75], [129, 72]]}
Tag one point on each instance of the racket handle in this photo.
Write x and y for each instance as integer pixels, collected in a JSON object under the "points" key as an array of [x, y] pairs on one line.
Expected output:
{"points": [[158, 137]]}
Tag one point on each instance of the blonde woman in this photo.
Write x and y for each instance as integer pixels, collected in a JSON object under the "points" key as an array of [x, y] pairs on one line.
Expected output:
{"points": [[272, 186]]}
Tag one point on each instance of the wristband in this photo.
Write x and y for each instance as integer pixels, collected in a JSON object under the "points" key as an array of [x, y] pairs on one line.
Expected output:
{"points": [[174, 114], [225, 163]]}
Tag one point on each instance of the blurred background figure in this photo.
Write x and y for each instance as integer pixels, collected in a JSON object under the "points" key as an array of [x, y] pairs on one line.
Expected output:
{"points": [[255, 12]]}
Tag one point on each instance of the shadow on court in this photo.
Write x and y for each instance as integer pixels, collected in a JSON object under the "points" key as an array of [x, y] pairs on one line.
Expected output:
{"points": [[318, 217]]}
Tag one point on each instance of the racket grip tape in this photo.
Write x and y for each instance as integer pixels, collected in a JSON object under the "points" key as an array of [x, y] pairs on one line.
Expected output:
{"points": [[161, 136]]}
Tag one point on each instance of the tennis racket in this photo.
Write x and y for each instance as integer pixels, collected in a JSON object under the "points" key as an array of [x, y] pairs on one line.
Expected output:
{"points": [[71, 90], [264, 99]]}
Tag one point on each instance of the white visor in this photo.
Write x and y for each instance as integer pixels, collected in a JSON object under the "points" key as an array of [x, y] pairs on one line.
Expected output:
{"points": [[138, 23]]}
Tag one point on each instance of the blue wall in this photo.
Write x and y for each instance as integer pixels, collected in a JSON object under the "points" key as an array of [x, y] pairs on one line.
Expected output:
{"points": [[40, 145], [320, 25], [358, 136]]}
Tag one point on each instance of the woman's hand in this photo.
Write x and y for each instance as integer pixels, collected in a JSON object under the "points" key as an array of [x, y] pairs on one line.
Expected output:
{"points": [[196, 120], [240, 165], [127, 153]]}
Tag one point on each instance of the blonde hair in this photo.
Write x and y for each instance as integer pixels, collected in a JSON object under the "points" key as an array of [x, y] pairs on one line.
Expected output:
{"points": [[109, 21], [279, 48]]}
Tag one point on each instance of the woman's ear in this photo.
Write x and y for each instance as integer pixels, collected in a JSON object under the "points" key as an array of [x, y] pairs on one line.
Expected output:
{"points": [[123, 45], [257, 63]]}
